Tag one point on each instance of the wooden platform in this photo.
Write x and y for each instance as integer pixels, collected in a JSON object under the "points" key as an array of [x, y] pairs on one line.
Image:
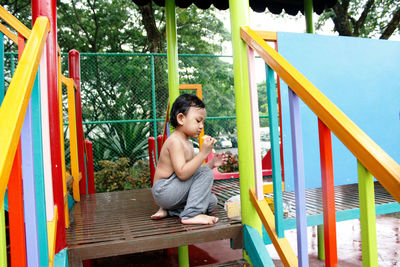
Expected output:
{"points": [[118, 223]]}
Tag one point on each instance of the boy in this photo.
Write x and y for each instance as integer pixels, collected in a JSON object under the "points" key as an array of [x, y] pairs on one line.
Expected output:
{"points": [[182, 185]]}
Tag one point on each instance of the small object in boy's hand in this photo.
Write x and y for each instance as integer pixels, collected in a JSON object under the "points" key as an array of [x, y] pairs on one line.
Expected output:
{"points": [[205, 136]]}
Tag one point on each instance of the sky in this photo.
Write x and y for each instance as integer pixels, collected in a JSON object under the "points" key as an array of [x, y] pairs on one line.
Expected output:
{"points": [[270, 22]]}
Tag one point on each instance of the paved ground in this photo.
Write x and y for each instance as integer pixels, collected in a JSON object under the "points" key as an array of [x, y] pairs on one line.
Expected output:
{"points": [[349, 243], [348, 240]]}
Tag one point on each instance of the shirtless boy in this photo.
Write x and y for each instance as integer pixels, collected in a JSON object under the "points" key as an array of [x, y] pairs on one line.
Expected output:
{"points": [[182, 185]]}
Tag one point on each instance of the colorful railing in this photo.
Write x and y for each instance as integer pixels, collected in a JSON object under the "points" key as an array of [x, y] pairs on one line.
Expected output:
{"points": [[372, 160], [12, 113], [28, 206]]}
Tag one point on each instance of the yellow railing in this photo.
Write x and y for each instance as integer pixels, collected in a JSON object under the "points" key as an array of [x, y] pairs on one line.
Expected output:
{"points": [[15, 103], [14, 23], [377, 161]]}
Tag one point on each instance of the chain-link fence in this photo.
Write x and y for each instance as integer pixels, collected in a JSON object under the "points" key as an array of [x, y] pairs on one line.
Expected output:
{"points": [[125, 97]]}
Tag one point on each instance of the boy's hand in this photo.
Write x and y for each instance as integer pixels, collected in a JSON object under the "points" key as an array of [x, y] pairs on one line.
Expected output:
{"points": [[208, 144], [219, 159]]}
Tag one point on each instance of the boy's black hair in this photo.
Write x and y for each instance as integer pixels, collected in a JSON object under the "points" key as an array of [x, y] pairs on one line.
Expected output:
{"points": [[182, 105]]}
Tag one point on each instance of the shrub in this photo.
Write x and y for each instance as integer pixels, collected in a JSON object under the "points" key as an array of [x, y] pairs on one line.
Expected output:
{"points": [[120, 175], [140, 174], [113, 176]]}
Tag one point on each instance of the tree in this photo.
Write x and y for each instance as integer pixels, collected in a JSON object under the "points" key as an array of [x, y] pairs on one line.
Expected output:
{"points": [[118, 87], [364, 18]]}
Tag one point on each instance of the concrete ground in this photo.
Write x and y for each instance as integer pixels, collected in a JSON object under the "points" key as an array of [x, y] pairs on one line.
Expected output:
{"points": [[212, 253]]}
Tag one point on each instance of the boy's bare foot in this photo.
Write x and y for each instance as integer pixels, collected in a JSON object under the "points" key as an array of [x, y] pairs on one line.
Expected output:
{"points": [[200, 219], [161, 213]]}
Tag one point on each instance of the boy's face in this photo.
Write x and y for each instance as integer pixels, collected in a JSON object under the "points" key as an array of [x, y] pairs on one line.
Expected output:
{"points": [[193, 122]]}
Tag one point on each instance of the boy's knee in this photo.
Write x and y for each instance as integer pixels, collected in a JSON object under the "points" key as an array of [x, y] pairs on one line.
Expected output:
{"points": [[213, 203], [207, 172]]}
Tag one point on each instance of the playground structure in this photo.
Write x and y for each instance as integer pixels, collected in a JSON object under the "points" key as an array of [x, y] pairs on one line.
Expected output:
{"points": [[38, 205], [372, 161]]}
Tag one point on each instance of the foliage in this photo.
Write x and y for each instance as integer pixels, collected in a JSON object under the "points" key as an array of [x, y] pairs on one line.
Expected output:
{"points": [[114, 176], [232, 163], [364, 18], [98, 26], [140, 172], [117, 175], [262, 98]]}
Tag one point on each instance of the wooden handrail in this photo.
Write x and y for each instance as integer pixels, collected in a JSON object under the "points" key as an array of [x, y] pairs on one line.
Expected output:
{"points": [[9, 34], [282, 246], [377, 161], [14, 23], [15, 103]]}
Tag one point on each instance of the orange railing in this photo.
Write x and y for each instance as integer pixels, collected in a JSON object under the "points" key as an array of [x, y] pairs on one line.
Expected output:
{"points": [[372, 160]]}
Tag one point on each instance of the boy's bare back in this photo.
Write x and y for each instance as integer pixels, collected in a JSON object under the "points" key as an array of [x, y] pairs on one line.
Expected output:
{"points": [[175, 142]]}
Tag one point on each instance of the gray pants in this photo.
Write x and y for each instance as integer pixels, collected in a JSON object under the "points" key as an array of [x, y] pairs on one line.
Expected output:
{"points": [[188, 198]]}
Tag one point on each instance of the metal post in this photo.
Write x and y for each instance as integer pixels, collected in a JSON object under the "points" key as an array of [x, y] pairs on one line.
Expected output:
{"points": [[173, 85], [239, 13], [172, 49], [308, 12]]}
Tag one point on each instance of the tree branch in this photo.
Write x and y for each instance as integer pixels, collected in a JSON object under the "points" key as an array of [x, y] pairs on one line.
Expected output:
{"points": [[361, 20], [153, 35], [79, 21], [345, 4], [392, 25], [341, 20]]}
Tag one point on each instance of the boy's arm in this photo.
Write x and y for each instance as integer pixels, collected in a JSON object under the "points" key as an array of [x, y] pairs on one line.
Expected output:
{"points": [[182, 168]]}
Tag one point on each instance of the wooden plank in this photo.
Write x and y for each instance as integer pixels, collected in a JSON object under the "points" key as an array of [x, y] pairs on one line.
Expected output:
{"points": [[73, 143], [14, 23], [52, 233], [109, 224], [29, 189], [28, 184], [267, 35], [45, 129], [299, 179], [275, 150], [3, 243], [16, 212], [282, 246], [328, 192], [8, 33], [255, 124], [255, 248], [121, 247], [39, 176], [367, 216], [378, 162], [62, 145]]}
